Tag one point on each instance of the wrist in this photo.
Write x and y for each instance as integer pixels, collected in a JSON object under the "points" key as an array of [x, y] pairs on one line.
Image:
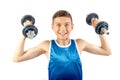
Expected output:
{"points": [[23, 37]]}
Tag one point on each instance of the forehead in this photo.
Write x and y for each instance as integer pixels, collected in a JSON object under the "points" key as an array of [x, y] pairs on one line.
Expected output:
{"points": [[62, 20]]}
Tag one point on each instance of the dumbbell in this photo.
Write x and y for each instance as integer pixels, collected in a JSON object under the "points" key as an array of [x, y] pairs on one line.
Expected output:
{"points": [[101, 27], [29, 30]]}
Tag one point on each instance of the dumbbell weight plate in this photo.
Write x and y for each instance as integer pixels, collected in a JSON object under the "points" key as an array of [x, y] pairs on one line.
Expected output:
{"points": [[90, 16], [28, 17], [30, 31], [101, 27]]}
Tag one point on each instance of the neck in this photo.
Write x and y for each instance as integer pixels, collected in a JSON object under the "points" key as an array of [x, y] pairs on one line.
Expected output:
{"points": [[63, 42]]}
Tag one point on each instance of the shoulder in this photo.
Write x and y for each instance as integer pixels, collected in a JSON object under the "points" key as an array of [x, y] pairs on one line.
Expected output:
{"points": [[81, 44], [46, 42], [44, 45], [80, 41]]}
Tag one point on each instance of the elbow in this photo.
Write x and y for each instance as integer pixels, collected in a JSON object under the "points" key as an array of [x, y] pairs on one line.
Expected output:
{"points": [[16, 60], [108, 53]]}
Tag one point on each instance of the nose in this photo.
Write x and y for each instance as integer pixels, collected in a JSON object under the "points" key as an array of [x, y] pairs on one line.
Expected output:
{"points": [[62, 29]]}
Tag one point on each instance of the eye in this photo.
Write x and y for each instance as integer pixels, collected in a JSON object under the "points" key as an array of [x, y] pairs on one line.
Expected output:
{"points": [[58, 25], [67, 24]]}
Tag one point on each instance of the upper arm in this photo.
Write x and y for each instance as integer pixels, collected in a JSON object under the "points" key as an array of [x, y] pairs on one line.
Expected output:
{"points": [[35, 51], [90, 48]]}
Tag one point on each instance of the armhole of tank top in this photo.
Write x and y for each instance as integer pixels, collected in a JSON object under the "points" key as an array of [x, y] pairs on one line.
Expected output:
{"points": [[50, 49], [77, 48]]}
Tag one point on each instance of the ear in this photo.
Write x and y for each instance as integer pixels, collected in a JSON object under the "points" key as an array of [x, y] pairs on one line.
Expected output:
{"points": [[52, 26], [72, 26]]}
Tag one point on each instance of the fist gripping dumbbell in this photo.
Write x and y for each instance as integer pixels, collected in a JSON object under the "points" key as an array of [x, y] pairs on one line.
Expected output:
{"points": [[101, 27], [29, 30]]}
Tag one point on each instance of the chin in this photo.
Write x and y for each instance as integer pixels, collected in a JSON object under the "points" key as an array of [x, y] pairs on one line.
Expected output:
{"points": [[63, 38]]}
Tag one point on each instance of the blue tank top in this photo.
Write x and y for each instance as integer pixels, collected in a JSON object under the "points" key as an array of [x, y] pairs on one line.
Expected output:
{"points": [[64, 63]]}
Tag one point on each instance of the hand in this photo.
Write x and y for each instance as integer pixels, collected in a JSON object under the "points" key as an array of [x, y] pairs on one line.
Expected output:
{"points": [[27, 23], [95, 21]]}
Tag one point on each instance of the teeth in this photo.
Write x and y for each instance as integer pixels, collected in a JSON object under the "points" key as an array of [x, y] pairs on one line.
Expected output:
{"points": [[63, 34]]}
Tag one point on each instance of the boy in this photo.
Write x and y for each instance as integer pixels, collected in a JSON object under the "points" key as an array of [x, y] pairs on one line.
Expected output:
{"points": [[63, 53]]}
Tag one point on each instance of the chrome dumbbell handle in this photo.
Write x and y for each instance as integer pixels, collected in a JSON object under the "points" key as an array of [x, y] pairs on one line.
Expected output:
{"points": [[30, 34], [104, 31]]}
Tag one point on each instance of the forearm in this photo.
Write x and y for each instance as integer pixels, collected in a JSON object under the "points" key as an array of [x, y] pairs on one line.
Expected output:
{"points": [[19, 51], [105, 44]]}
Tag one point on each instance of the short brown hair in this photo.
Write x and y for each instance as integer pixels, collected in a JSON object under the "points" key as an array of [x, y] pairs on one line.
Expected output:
{"points": [[62, 13]]}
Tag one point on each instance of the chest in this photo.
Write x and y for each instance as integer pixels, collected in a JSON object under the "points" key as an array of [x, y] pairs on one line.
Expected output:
{"points": [[64, 54]]}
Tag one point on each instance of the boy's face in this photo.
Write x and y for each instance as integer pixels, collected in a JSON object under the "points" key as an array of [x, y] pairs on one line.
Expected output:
{"points": [[62, 26]]}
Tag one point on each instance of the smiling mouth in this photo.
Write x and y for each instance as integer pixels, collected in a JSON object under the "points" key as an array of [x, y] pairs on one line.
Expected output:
{"points": [[63, 34]]}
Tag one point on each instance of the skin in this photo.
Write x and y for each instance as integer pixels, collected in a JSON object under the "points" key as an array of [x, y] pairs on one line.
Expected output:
{"points": [[62, 26]]}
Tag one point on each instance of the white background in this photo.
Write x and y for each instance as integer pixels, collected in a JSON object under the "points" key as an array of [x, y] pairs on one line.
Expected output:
{"points": [[95, 67]]}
